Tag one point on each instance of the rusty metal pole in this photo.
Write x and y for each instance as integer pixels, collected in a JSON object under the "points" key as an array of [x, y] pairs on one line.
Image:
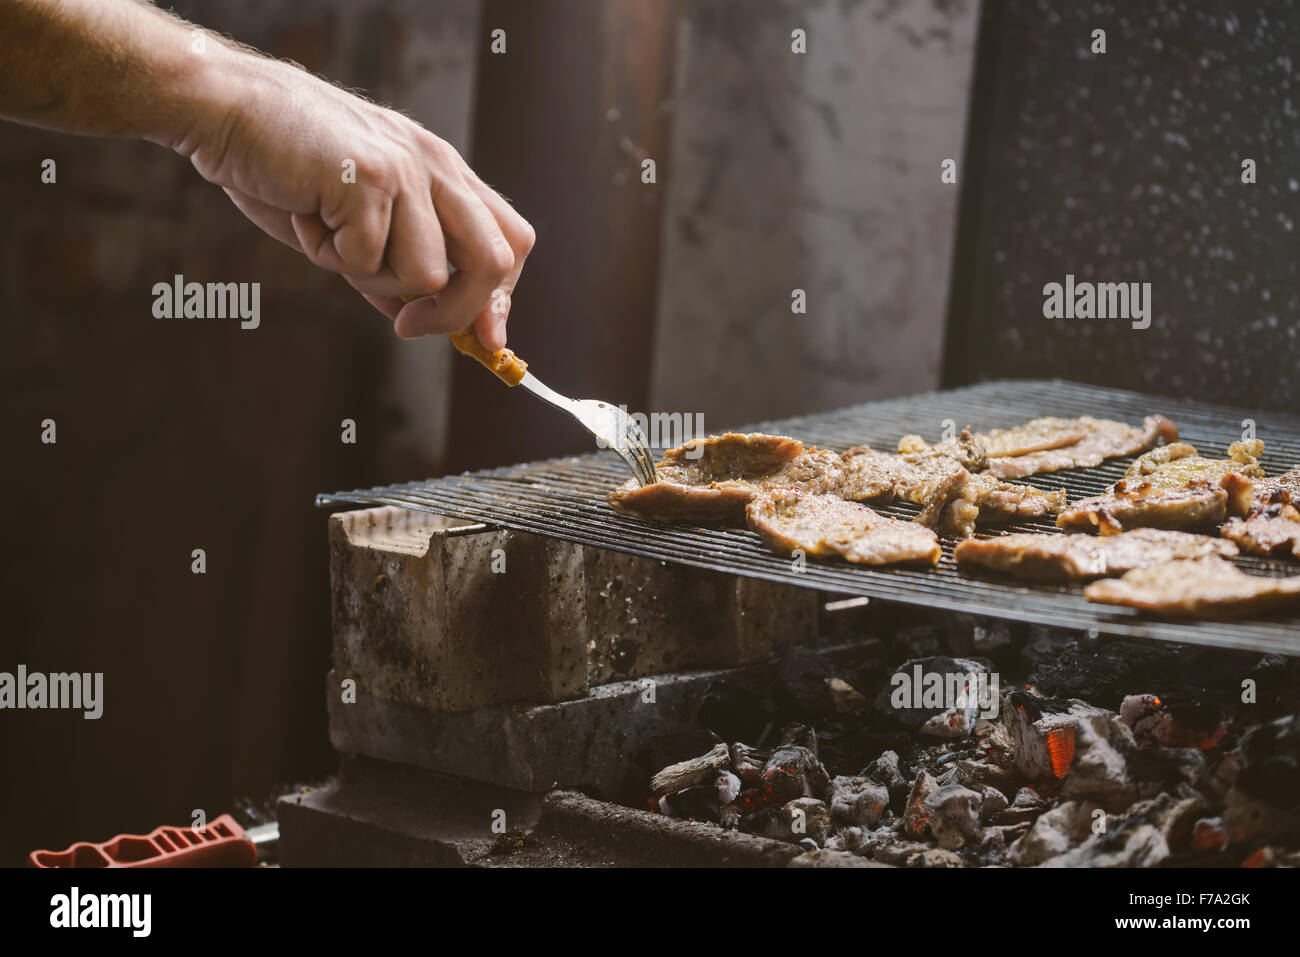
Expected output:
{"points": [[564, 119]]}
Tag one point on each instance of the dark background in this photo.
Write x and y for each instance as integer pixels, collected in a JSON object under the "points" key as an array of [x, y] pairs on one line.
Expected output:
{"points": [[1126, 167], [173, 437]]}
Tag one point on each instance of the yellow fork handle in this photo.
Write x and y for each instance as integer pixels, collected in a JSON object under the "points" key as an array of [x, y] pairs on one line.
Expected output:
{"points": [[503, 363]]}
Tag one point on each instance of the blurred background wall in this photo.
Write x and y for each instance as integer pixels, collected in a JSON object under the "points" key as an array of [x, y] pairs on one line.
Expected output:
{"points": [[774, 171]]}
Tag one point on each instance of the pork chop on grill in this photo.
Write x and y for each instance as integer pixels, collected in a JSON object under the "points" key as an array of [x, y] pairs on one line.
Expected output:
{"points": [[1199, 588], [953, 499], [1273, 525], [984, 499], [710, 481], [1055, 557], [1049, 444], [1172, 487], [827, 525]]}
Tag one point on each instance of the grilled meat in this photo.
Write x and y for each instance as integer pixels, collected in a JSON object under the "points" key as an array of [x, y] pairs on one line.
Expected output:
{"points": [[711, 480], [967, 449], [1172, 487], [1267, 532], [952, 498], [1054, 557], [827, 525], [1048, 444], [1273, 525], [985, 499], [1201, 588]]}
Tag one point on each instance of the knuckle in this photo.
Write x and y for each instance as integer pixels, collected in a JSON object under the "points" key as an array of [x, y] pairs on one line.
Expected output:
{"points": [[527, 237], [501, 258], [496, 258], [433, 278]]}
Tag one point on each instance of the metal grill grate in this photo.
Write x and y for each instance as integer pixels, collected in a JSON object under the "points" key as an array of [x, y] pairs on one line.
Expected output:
{"points": [[565, 498]]}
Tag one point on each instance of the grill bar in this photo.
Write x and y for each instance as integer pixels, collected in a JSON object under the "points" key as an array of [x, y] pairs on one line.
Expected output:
{"points": [[565, 499]]}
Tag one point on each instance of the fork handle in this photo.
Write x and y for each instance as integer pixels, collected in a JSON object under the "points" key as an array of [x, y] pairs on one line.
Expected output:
{"points": [[503, 363]]}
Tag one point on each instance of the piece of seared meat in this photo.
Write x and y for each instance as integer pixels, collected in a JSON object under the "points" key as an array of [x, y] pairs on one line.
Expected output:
{"points": [[710, 481], [1273, 525], [1200, 588], [1172, 487], [1049, 444], [1274, 532], [1055, 557], [984, 499], [827, 525], [966, 449], [952, 498]]}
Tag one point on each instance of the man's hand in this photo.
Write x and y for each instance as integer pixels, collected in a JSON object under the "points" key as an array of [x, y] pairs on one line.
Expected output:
{"points": [[279, 142]]}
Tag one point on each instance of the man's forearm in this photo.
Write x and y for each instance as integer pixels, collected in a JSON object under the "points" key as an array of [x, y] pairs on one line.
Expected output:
{"points": [[103, 67]]}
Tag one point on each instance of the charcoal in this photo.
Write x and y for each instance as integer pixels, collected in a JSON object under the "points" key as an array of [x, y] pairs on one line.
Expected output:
{"points": [[807, 818], [1026, 797], [766, 823], [911, 698], [752, 801], [846, 839], [935, 857], [897, 853], [693, 771], [845, 699], [1054, 833], [954, 815], [917, 815], [1011, 816], [1263, 802], [1104, 675], [829, 857], [727, 785], [798, 735], [1269, 761], [747, 763], [661, 750], [698, 803], [1042, 733], [1141, 845], [801, 690], [1173, 722], [858, 801], [1100, 772], [991, 801], [979, 775], [793, 771], [994, 841], [1209, 834], [884, 770]]}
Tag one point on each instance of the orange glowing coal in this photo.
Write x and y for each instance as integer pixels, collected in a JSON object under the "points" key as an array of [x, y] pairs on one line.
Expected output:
{"points": [[1060, 748]]}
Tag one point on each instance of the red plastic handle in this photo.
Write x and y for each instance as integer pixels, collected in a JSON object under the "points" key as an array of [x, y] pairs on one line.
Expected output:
{"points": [[222, 843]]}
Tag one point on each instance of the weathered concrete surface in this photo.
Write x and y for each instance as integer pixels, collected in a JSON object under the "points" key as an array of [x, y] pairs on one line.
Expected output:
{"points": [[584, 743], [450, 616], [422, 618], [379, 814], [385, 814]]}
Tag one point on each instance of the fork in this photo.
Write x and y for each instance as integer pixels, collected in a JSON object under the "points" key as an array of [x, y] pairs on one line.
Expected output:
{"points": [[612, 427]]}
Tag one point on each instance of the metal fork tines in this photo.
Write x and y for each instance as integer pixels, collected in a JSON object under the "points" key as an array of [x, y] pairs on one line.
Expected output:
{"points": [[611, 425]]}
